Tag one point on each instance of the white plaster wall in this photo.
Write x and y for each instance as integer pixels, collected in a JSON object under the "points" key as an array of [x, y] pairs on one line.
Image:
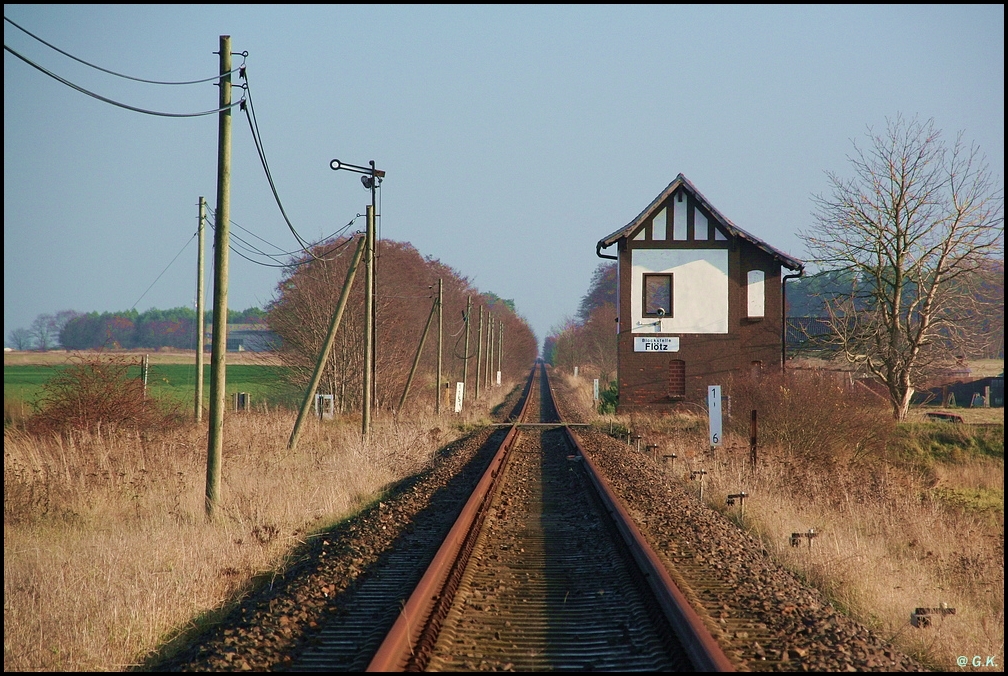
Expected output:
{"points": [[699, 290], [755, 293]]}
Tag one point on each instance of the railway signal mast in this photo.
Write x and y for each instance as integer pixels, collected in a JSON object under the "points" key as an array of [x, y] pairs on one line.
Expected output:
{"points": [[371, 179]]}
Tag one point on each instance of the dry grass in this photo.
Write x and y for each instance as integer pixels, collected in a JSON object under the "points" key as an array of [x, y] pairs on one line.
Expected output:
{"points": [[890, 539], [106, 549]]}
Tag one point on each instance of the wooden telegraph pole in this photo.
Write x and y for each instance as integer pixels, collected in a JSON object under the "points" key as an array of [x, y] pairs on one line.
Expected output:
{"points": [[416, 359], [323, 357], [489, 356], [440, 340], [368, 322], [221, 236], [199, 310], [479, 353], [465, 355]]}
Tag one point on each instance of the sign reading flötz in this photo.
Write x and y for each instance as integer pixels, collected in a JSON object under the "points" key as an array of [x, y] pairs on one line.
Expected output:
{"points": [[655, 344]]}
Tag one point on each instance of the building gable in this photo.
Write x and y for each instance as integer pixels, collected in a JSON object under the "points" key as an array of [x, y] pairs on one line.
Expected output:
{"points": [[681, 214]]}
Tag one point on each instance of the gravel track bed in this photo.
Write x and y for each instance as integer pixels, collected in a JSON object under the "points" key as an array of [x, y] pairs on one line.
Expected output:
{"points": [[548, 587], [324, 586], [763, 616]]}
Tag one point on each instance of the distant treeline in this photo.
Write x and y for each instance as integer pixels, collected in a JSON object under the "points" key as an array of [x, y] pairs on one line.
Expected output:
{"points": [[151, 329]]}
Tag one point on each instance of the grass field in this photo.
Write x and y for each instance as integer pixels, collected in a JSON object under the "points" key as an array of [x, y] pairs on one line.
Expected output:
{"points": [[175, 382]]}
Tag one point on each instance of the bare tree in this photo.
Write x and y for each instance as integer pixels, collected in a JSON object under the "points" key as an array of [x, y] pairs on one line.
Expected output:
{"points": [[20, 339], [914, 225], [43, 332]]}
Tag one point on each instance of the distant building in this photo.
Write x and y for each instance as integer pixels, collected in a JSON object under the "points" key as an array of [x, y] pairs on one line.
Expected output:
{"points": [[246, 338], [808, 334], [698, 299]]}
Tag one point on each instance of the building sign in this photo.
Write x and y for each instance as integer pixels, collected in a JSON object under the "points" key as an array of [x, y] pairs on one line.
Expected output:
{"points": [[655, 344]]}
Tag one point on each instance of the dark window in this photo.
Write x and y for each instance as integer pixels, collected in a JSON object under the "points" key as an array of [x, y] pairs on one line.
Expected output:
{"points": [[657, 295], [677, 378]]}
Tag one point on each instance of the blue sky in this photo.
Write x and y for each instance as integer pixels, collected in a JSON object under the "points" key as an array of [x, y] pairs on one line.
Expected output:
{"points": [[514, 137]]}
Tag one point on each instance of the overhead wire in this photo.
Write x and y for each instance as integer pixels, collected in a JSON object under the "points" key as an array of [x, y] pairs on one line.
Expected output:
{"points": [[188, 241], [251, 249], [106, 70], [254, 127], [113, 102]]}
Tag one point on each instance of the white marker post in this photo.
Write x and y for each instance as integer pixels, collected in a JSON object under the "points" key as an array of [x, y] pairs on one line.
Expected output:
{"points": [[714, 411], [595, 390], [498, 379], [459, 389]]}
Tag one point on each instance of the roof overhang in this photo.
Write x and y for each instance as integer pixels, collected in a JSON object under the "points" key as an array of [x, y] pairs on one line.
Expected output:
{"points": [[730, 228]]}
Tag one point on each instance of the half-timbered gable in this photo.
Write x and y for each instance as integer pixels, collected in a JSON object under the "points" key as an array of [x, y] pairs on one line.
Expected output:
{"points": [[698, 299]]}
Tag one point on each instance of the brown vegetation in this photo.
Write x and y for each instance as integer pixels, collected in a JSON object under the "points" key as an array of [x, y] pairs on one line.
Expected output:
{"points": [[590, 339], [107, 552], [93, 392], [407, 285]]}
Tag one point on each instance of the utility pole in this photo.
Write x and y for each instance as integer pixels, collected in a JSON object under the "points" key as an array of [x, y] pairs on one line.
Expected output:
{"points": [[500, 346], [374, 309], [416, 359], [221, 236], [199, 310], [371, 179], [479, 353], [327, 345], [465, 362], [440, 340], [489, 357], [372, 184], [368, 322]]}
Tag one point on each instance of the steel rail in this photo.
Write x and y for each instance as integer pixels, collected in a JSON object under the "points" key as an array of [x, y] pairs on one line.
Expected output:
{"points": [[415, 620], [702, 648]]}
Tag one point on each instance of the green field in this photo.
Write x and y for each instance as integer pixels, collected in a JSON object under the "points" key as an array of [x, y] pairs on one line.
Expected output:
{"points": [[176, 382]]}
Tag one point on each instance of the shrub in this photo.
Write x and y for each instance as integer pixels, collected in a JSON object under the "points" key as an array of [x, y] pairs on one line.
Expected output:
{"points": [[608, 399], [92, 393], [813, 415]]}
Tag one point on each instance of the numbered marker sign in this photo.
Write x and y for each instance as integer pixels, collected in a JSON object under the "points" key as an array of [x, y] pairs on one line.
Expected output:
{"points": [[714, 409], [595, 389], [498, 378], [459, 389]]}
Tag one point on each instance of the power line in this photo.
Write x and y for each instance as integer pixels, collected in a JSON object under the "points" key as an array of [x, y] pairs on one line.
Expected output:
{"points": [[254, 127], [274, 257], [111, 101], [112, 72], [164, 271]]}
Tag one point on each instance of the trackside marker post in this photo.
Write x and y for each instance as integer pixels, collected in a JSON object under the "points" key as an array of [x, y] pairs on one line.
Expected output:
{"points": [[714, 411]]}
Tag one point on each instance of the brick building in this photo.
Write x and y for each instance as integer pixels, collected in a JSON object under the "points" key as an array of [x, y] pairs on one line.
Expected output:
{"points": [[698, 298]]}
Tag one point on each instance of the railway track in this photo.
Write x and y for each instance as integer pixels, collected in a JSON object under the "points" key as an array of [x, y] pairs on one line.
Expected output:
{"points": [[511, 551], [541, 571]]}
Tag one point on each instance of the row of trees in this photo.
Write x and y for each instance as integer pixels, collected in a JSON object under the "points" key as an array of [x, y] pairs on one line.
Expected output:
{"points": [[407, 284], [589, 339], [154, 328]]}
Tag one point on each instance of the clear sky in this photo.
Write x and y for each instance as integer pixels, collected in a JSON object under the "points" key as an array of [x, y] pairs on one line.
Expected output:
{"points": [[514, 137]]}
